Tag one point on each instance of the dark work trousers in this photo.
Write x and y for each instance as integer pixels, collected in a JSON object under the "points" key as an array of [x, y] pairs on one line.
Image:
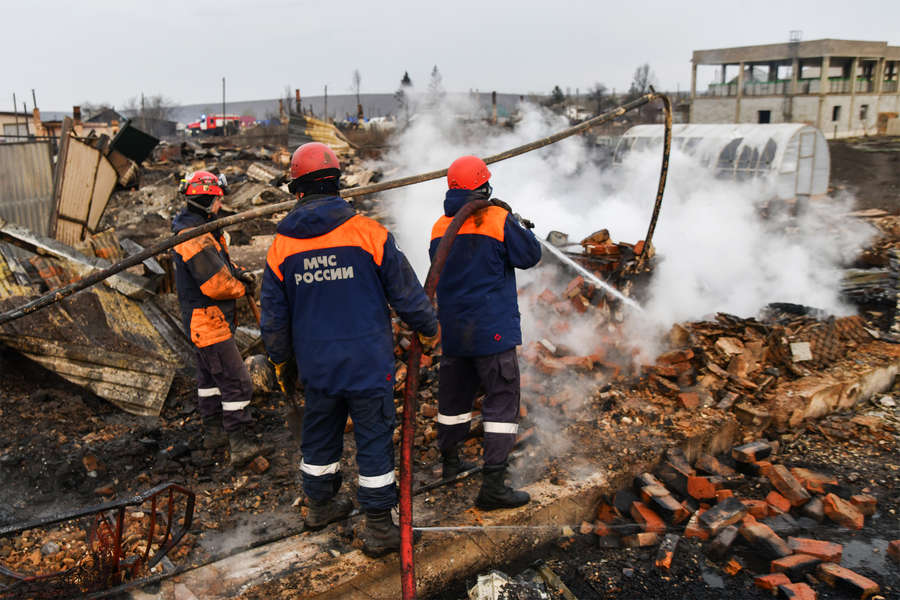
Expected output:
{"points": [[223, 384], [324, 421], [498, 375]]}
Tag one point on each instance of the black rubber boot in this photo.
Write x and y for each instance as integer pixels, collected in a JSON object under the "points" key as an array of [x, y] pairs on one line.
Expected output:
{"points": [[495, 493], [322, 512], [453, 465], [214, 435], [380, 535], [242, 447]]}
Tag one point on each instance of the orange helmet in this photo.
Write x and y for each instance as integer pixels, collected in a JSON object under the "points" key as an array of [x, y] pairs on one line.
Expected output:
{"points": [[467, 173], [311, 158], [203, 183]]}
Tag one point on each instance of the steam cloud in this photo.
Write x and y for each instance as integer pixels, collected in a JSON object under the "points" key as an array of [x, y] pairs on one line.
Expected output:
{"points": [[716, 252]]}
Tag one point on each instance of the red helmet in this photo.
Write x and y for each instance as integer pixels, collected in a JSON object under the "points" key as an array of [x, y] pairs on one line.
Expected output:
{"points": [[312, 157], [203, 183], [467, 173]]}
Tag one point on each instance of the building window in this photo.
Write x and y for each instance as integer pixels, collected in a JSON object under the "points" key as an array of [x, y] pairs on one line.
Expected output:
{"points": [[764, 116], [863, 112], [836, 113]]}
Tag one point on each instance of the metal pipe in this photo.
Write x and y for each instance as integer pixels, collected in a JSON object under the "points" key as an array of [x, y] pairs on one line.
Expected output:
{"points": [[408, 429], [663, 174], [98, 276]]}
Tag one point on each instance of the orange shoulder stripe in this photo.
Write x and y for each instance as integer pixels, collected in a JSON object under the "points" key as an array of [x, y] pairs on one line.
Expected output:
{"points": [[493, 219], [358, 231], [188, 249]]}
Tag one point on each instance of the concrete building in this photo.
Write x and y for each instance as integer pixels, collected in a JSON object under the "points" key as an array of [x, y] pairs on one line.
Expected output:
{"points": [[843, 87]]}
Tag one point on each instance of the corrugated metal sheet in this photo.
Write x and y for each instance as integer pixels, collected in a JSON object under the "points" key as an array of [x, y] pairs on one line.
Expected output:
{"points": [[87, 182], [303, 129], [26, 185]]}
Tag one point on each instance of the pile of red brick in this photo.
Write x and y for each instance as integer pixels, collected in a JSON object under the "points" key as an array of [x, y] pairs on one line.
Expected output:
{"points": [[699, 501]]}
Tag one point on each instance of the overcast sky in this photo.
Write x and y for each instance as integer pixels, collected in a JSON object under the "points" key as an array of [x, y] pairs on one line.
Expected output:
{"points": [[112, 50]]}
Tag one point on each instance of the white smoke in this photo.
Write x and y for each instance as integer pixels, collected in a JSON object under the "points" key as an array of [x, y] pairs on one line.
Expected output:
{"points": [[716, 253]]}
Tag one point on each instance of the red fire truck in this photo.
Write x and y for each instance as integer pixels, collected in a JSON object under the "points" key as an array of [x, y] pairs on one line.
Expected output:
{"points": [[215, 125]]}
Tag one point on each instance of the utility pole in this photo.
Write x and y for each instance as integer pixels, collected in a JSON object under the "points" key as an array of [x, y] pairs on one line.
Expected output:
{"points": [[16, 114], [25, 114], [326, 103], [224, 121], [143, 115]]}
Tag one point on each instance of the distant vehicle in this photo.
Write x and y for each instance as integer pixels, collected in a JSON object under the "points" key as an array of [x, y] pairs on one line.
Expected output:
{"points": [[214, 125]]}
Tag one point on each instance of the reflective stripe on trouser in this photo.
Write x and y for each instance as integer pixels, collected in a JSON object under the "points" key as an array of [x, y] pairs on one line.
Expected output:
{"points": [[223, 384], [498, 375], [324, 420]]}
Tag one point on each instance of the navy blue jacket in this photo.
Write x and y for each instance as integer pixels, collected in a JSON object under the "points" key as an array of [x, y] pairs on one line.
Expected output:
{"points": [[477, 302], [330, 276], [206, 283]]}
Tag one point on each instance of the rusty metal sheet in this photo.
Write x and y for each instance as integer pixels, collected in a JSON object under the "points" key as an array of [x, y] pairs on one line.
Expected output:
{"points": [[26, 184]]}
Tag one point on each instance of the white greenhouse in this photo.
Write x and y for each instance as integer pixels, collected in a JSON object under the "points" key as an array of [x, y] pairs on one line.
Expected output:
{"points": [[795, 156]]}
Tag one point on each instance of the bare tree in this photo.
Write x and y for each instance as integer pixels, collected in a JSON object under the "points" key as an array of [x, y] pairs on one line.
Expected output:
{"points": [[156, 106], [598, 96], [641, 81], [91, 109]]}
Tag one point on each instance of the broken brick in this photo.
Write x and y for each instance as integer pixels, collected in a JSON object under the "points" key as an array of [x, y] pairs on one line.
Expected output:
{"points": [[757, 508], [796, 591], [677, 458], [666, 551], [701, 488], [712, 466], [795, 566], [864, 503], [765, 540], [894, 550], [675, 356], [720, 545], [645, 479], [725, 513], [669, 509], [547, 297], [640, 540], [606, 512], [842, 512], [689, 400], [648, 492], [788, 485], [814, 509], [752, 452], [733, 567], [694, 529], [844, 579], [771, 581], [649, 520], [763, 467], [574, 287], [827, 551], [723, 493], [814, 482], [778, 502]]}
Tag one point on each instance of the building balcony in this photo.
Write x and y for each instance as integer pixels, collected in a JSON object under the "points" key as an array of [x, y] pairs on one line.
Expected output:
{"points": [[835, 85]]}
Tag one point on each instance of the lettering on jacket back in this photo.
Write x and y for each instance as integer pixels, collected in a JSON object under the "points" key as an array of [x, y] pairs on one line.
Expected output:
{"points": [[322, 268]]}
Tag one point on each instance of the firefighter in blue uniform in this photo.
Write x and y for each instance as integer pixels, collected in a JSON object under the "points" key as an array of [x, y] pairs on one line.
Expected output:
{"points": [[208, 284], [330, 277], [479, 316]]}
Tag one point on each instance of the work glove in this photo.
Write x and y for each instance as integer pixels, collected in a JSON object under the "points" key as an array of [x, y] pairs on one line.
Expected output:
{"points": [[429, 342], [247, 277], [286, 375]]}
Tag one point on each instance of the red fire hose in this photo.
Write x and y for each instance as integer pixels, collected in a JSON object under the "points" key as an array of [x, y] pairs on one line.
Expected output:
{"points": [[408, 430]]}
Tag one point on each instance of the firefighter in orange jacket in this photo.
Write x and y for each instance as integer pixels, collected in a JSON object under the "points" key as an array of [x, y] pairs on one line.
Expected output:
{"points": [[208, 284]]}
